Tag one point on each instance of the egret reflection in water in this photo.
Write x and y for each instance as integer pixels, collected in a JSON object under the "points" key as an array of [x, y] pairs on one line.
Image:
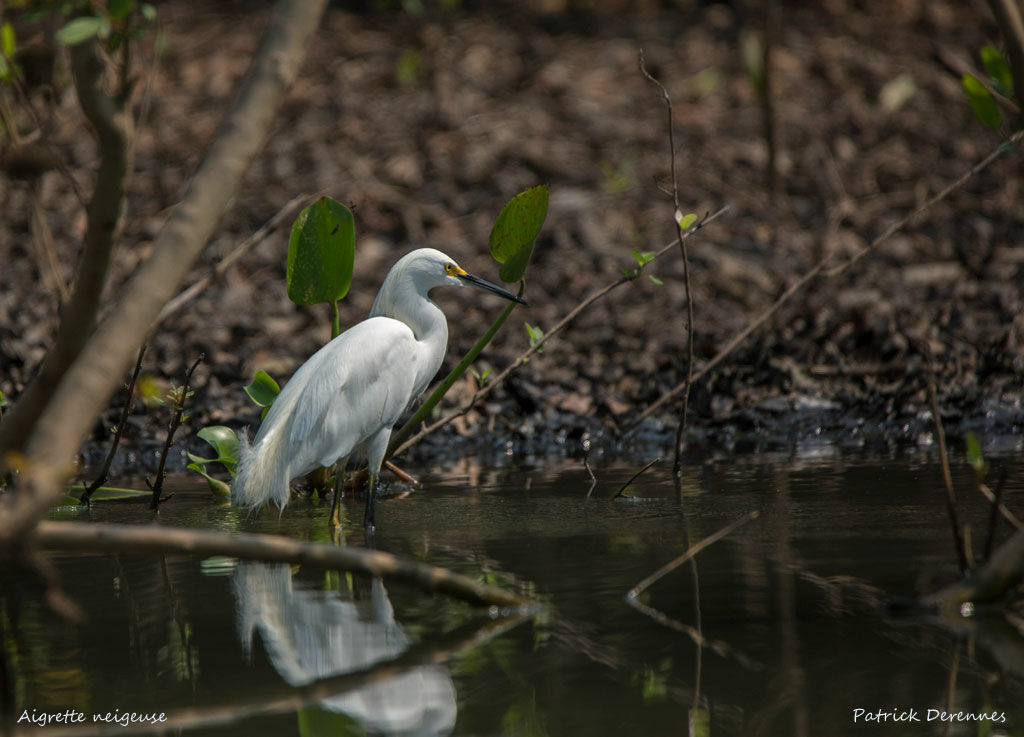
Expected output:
{"points": [[310, 635]]}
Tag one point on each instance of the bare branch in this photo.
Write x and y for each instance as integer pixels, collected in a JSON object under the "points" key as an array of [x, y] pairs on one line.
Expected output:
{"points": [[561, 325], [819, 268], [274, 548], [91, 380], [113, 127], [195, 289], [101, 478]]}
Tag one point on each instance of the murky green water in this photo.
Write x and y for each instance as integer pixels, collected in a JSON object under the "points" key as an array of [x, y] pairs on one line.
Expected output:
{"points": [[774, 630]]}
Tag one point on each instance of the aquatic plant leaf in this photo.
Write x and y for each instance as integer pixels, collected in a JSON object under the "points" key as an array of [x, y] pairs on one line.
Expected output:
{"points": [[321, 252], [263, 390], [223, 440], [515, 232]]}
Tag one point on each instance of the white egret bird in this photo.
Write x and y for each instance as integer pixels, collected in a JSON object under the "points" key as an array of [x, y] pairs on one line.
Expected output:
{"points": [[347, 397]]}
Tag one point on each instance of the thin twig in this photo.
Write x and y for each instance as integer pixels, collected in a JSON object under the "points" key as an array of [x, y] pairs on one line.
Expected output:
{"points": [[819, 268], [272, 548], [676, 214], [180, 397], [947, 477], [690, 552], [240, 250], [561, 325], [634, 477], [994, 518], [101, 478], [586, 465]]}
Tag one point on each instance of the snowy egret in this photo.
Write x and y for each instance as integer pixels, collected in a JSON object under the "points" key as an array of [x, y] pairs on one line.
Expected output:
{"points": [[349, 394]]}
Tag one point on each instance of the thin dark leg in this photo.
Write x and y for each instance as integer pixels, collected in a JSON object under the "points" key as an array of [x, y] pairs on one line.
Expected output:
{"points": [[371, 502], [339, 483]]}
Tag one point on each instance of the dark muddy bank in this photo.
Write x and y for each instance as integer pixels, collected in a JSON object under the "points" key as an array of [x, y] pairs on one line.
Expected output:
{"points": [[427, 125]]}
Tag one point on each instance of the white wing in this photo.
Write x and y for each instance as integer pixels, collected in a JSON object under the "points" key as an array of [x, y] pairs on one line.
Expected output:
{"points": [[348, 390]]}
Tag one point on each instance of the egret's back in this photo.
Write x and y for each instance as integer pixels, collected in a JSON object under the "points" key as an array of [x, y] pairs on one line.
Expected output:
{"points": [[345, 394]]}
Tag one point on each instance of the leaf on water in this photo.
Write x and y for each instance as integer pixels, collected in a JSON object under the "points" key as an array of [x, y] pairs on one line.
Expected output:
{"points": [[997, 68], [981, 101], [321, 251], [515, 232], [218, 487], [82, 29]]}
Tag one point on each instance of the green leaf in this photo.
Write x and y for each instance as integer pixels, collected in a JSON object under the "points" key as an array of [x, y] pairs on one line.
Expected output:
{"points": [[119, 9], [981, 101], [643, 257], [218, 487], [321, 250], [975, 457], [148, 12], [685, 221], [7, 40], [82, 29], [536, 334], [515, 232], [263, 390], [224, 441], [3, 402], [655, 279], [407, 71], [998, 69]]}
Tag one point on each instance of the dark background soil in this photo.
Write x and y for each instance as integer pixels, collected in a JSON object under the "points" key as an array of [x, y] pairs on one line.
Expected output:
{"points": [[426, 123]]}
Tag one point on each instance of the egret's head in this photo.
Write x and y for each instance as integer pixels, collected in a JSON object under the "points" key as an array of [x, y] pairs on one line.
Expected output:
{"points": [[430, 268]]}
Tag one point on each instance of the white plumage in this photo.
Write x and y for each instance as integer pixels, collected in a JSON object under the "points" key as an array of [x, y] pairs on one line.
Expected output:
{"points": [[349, 394]]}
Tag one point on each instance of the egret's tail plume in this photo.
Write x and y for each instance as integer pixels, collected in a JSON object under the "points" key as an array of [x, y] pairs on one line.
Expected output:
{"points": [[262, 473]]}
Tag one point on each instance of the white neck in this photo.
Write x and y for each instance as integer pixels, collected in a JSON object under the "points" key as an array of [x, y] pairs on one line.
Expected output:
{"points": [[426, 320]]}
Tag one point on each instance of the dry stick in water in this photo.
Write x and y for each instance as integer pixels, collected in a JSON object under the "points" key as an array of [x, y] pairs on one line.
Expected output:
{"points": [[119, 431], [718, 646], [561, 325], [677, 213], [690, 552], [180, 397], [272, 548], [993, 520], [947, 477], [634, 477], [835, 271]]}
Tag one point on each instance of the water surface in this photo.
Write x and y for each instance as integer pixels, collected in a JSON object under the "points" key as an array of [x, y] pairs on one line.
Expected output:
{"points": [[777, 629]]}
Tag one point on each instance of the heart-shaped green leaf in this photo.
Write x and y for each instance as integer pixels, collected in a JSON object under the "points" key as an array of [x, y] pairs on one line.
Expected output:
{"points": [[515, 232], [321, 250]]}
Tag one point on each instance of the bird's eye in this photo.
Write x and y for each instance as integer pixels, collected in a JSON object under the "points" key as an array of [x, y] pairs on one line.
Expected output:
{"points": [[449, 269]]}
